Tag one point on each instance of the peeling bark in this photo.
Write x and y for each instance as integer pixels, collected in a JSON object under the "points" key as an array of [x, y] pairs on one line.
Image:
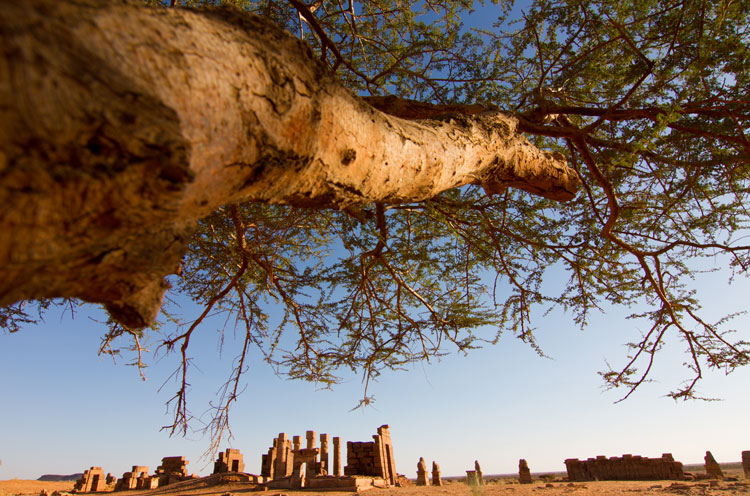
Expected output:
{"points": [[121, 125]]}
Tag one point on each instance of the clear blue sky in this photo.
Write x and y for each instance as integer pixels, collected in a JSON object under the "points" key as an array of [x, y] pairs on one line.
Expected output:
{"points": [[65, 409]]}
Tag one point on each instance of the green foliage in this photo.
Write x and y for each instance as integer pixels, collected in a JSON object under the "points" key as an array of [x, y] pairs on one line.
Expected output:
{"points": [[648, 100]]}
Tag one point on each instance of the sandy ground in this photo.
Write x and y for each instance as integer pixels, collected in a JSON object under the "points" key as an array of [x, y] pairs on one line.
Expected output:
{"points": [[18, 486], [501, 487]]}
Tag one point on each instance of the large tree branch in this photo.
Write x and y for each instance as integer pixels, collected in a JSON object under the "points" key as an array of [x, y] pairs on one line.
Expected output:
{"points": [[121, 125]]}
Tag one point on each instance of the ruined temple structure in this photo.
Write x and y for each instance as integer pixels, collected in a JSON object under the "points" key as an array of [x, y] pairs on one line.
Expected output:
{"points": [[628, 467], [94, 480], [286, 456], [372, 458], [172, 469], [524, 474], [288, 464], [436, 480], [422, 477], [137, 478], [274, 464], [746, 463], [229, 461], [713, 470]]}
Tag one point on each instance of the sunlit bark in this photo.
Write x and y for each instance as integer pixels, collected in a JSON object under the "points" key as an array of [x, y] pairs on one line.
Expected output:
{"points": [[122, 125]]}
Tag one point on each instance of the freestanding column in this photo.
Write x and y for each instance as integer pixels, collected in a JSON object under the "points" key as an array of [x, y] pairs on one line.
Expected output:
{"points": [[336, 456], [524, 474], [436, 480], [422, 478], [323, 467], [297, 442]]}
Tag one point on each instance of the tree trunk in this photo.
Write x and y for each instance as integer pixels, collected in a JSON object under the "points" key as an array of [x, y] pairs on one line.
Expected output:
{"points": [[121, 125]]}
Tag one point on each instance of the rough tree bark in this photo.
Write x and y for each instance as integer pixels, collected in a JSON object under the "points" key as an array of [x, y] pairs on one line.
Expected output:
{"points": [[121, 125]]}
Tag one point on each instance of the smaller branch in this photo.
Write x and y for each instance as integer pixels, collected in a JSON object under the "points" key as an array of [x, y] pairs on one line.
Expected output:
{"points": [[181, 395], [327, 43]]}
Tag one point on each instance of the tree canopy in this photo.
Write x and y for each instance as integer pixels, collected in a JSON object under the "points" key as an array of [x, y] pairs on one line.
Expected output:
{"points": [[649, 102]]}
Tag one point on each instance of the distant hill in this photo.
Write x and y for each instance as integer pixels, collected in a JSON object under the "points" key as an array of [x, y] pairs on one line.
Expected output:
{"points": [[59, 478]]}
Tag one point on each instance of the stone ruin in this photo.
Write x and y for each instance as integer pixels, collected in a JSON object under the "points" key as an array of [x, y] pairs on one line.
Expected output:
{"points": [[713, 470], [172, 469], [422, 478], [628, 467], [229, 461], [94, 480], [475, 477], [137, 478], [286, 457], [436, 480], [288, 465], [524, 474], [372, 458], [296, 467]]}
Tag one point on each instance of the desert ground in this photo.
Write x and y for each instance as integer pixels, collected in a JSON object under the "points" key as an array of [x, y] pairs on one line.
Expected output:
{"points": [[493, 487], [20, 486]]}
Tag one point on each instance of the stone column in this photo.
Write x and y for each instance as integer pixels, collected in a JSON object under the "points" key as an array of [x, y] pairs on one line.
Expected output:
{"points": [[323, 467], [422, 478], [284, 457], [436, 480], [384, 447], [478, 469], [310, 439], [524, 474], [337, 456], [746, 463], [713, 470], [297, 443]]}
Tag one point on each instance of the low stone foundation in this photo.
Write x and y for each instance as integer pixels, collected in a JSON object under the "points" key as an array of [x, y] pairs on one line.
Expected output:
{"points": [[628, 467]]}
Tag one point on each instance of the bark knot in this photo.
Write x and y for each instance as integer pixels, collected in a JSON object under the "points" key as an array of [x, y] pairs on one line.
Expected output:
{"points": [[348, 156]]}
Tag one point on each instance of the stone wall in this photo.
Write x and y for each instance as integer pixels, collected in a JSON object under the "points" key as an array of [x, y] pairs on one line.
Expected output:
{"points": [[360, 458], [372, 458], [627, 467]]}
